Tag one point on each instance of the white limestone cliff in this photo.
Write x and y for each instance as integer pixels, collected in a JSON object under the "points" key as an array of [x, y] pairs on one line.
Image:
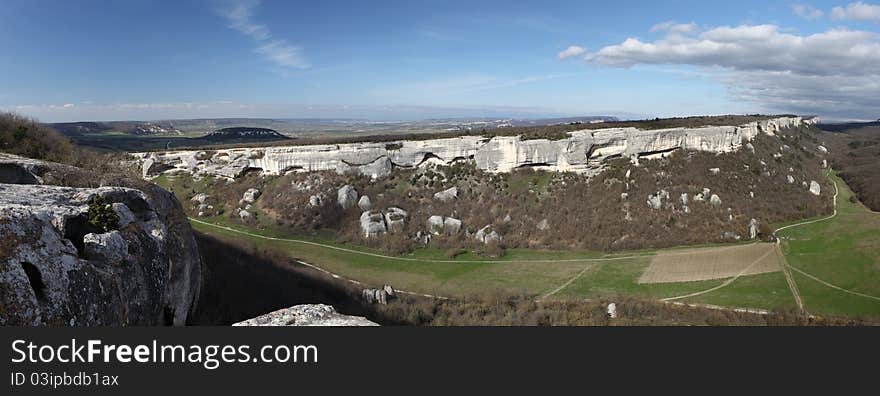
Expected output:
{"points": [[583, 151]]}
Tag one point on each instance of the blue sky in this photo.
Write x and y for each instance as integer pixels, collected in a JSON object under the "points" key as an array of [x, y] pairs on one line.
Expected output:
{"points": [[386, 60]]}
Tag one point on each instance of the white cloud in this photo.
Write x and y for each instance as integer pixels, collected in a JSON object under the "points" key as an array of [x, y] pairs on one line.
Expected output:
{"points": [[68, 105], [572, 51], [806, 11], [858, 10], [240, 15], [832, 72]]}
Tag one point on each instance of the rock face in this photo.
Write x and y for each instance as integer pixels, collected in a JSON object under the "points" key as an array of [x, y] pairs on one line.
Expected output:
{"points": [[582, 151], [815, 188], [307, 315], [59, 269], [346, 196]]}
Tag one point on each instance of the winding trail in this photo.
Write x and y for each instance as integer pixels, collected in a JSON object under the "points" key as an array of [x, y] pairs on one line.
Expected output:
{"points": [[564, 285]]}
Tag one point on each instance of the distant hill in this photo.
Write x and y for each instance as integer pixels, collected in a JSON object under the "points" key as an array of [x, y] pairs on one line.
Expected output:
{"points": [[138, 128], [241, 134]]}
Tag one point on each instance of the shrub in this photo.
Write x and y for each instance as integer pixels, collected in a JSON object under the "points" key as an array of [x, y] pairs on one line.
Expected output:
{"points": [[101, 214]]}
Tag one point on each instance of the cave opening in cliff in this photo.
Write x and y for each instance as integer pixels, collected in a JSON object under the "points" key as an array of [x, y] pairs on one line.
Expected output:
{"points": [[36, 279]]}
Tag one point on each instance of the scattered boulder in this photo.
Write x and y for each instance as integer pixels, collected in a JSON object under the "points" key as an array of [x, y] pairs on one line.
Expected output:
{"points": [[715, 200], [684, 199], [443, 225], [373, 224], [378, 296], [623, 196], [199, 198], [447, 195], [250, 196], [822, 149], [543, 225], [730, 235], [306, 315], [790, 179], [715, 171], [655, 201], [346, 196], [395, 219], [753, 229], [364, 203], [244, 214], [815, 188], [487, 235], [750, 147], [612, 310], [316, 200], [451, 225]]}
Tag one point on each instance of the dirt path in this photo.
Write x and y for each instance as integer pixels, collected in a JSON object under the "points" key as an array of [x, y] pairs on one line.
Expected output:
{"points": [[564, 285]]}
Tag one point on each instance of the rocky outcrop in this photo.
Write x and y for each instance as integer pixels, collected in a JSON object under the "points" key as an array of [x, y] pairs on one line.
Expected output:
{"points": [[307, 315], [582, 151], [58, 268]]}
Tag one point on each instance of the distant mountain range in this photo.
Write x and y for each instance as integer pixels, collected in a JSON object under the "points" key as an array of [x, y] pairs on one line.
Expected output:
{"points": [[301, 126]]}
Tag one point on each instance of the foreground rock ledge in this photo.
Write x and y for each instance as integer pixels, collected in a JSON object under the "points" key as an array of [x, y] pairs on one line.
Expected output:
{"points": [[58, 269], [307, 315]]}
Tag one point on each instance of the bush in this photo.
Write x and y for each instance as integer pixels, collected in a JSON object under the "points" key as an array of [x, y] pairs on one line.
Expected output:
{"points": [[101, 214]]}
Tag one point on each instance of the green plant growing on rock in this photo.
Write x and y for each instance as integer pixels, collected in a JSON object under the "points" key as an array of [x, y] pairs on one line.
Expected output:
{"points": [[101, 214]]}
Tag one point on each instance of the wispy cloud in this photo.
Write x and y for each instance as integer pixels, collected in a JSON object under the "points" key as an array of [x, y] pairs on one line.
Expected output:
{"points": [[858, 10], [240, 16], [806, 11], [571, 51]]}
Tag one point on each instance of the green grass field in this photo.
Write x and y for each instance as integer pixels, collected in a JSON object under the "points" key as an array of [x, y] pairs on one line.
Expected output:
{"points": [[843, 251]]}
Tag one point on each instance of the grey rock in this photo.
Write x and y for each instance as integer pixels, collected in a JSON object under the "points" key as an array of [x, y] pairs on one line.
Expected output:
{"points": [[60, 271], [364, 203], [123, 213], [346, 196], [447, 195], [250, 196], [307, 315], [373, 224], [245, 215], [753, 229], [715, 200], [790, 179], [815, 188], [395, 219], [487, 235], [543, 225]]}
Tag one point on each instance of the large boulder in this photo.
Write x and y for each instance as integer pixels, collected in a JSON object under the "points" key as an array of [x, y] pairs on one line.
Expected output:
{"points": [[58, 268], [447, 195], [307, 315], [364, 203], [443, 225], [250, 196], [753, 229], [815, 188], [372, 224], [715, 200], [346, 196], [395, 218], [487, 235]]}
